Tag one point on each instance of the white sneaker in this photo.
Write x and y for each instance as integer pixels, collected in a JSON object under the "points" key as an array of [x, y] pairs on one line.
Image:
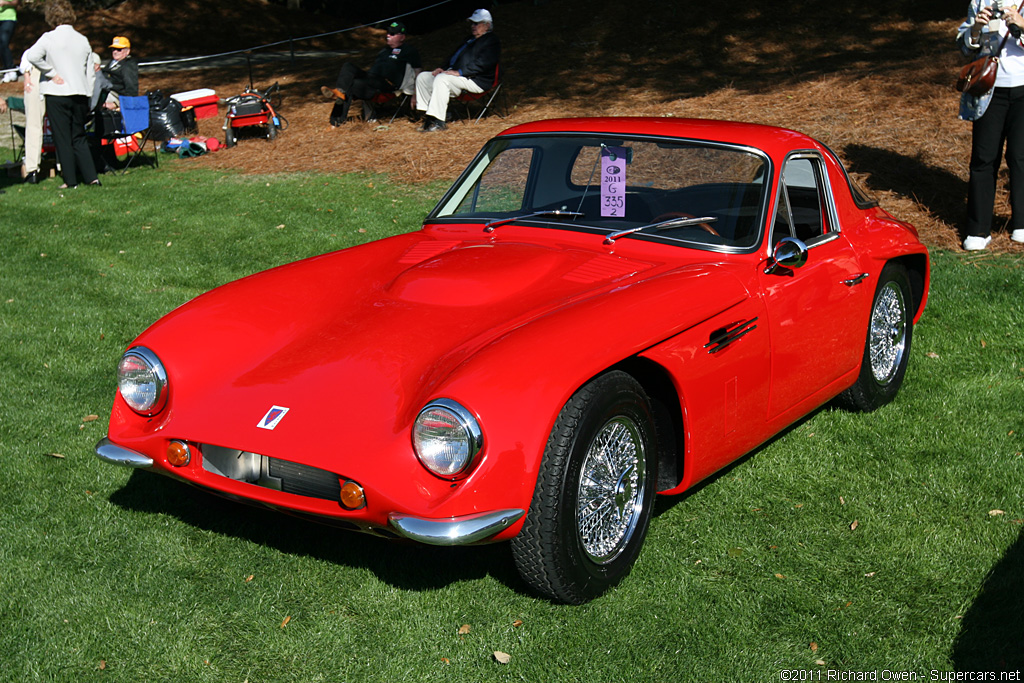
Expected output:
{"points": [[10, 76], [1017, 235], [975, 243]]}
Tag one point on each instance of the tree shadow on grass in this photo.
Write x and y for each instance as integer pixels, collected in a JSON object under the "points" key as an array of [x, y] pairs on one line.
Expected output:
{"points": [[992, 631], [405, 565], [941, 192]]}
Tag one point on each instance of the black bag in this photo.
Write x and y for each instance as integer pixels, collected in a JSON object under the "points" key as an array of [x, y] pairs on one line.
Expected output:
{"points": [[188, 120], [107, 122], [164, 116]]}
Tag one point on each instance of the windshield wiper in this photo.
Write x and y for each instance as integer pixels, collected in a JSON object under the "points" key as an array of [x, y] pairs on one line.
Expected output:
{"points": [[670, 223], [489, 227]]}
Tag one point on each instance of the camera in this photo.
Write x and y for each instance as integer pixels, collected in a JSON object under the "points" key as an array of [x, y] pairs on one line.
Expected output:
{"points": [[997, 12]]}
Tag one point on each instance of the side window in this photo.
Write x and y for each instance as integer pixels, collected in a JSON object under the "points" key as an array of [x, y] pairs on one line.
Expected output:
{"points": [[802, 207]]}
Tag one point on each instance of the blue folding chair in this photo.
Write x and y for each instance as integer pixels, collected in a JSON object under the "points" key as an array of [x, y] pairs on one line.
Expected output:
{"points": [[134, 120]]}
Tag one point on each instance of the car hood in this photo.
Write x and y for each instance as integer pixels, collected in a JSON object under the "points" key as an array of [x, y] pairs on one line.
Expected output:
{"points": [[362, 337]]}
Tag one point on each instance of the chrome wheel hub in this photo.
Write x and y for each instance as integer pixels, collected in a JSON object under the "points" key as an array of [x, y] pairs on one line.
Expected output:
{"points": [[887, 337], [611, 490]]}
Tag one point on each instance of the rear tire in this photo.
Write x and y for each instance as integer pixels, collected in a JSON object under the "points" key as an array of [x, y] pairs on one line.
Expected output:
{"points": [[594, 495], [887, 347], [229, 134], [271, 130]]}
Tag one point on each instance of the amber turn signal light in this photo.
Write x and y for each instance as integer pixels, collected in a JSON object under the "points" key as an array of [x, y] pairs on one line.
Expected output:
{"points": [[178, 453], [352, 496]]}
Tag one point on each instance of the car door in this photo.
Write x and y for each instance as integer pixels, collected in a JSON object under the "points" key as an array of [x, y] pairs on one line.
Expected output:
{"points": [[816, 333]]}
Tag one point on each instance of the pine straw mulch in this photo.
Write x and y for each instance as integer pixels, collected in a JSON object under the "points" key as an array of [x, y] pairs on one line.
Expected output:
{"points": [[829, 76]]}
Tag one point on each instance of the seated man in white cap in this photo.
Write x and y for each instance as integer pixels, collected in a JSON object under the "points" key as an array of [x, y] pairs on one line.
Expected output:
{"points": [[470, 68]]}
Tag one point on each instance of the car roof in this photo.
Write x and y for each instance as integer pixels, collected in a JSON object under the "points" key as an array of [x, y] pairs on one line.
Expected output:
{"points": [[771, 139]]}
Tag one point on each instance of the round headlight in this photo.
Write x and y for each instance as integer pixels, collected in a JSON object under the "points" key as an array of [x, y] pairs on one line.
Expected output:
{"points": [[142, 381], [446, 438]]}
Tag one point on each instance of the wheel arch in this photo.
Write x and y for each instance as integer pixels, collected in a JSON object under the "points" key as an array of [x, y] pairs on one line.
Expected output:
{"points": [[917, 269], [668, 416]]}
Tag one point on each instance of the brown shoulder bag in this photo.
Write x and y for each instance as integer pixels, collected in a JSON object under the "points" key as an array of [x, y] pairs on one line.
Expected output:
{"points": [[978, 77]]}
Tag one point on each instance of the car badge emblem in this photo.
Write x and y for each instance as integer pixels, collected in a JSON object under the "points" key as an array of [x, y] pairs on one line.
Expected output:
{"points": [[272, 418]]}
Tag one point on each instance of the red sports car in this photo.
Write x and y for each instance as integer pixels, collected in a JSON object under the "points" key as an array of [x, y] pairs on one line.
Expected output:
{"points": [[598, 310]]}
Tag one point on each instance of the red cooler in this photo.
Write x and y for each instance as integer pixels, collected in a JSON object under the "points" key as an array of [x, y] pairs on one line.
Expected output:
{"points": [[203, 100]]}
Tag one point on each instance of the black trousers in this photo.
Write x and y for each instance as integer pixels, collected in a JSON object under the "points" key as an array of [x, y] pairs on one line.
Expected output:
{"points": [[357, 85], [67, 116], [1003, 123]]}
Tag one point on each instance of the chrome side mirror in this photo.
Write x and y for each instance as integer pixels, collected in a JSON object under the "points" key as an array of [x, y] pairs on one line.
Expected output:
{"points": [[788, 253]]}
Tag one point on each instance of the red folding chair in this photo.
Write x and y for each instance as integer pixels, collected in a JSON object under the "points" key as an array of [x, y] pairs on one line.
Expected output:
{"points": [[405, 91], [470, 98], [385, 98]]}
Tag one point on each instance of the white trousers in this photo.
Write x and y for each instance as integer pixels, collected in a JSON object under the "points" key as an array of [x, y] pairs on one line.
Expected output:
{"points": [[433, 92], [35, 109]]}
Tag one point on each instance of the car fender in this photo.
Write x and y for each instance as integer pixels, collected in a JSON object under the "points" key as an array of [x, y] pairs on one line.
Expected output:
{"points": [[882, 239], [519, 383]]}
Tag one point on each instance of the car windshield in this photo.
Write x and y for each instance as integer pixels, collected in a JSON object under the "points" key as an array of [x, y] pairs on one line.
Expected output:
{"points": [[618, 186]]}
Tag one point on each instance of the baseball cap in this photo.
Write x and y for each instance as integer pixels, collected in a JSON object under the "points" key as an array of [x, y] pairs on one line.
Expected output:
{"points": [[120, 43], [396, 27], [481, 15]]}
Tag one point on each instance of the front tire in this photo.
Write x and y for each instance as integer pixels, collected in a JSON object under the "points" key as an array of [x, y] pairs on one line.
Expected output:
{"points": [[887, 347], [594, 495]]}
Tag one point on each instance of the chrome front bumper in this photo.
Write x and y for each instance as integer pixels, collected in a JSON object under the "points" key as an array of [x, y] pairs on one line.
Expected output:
{"points": [[454, 530], [448, 531], [108, 451]]}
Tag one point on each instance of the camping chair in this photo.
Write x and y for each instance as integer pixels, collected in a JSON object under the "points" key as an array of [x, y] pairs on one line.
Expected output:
{"points": [[469, 98], [404, 91], [16, 104], [134, 119]]}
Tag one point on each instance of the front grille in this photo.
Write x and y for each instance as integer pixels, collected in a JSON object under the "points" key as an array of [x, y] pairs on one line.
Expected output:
{"points": [[272, 473], [303, 480]]}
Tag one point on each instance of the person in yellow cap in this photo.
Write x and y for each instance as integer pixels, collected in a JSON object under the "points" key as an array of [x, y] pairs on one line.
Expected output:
{"points": [[121, 73]]}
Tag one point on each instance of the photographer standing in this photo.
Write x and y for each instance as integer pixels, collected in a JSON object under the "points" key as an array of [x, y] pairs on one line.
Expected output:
{"points": [[997, 115]]}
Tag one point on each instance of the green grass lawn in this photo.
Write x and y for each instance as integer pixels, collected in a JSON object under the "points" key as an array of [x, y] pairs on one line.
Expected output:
{"points": [[883, 542]]}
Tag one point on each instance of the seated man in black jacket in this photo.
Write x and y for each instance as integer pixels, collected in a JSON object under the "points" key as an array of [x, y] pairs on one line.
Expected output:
{"points": [[470, 68], [120, 76], [386, 75]]}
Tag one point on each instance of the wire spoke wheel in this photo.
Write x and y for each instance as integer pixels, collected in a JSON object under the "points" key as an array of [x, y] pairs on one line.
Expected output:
{"points": [[887, 347], [594, 495], [611, 489], [888, 334]]}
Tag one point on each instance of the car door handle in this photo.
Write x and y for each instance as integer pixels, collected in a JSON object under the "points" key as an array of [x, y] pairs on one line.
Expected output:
{"points": [[722, 338], [855, 280]]}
